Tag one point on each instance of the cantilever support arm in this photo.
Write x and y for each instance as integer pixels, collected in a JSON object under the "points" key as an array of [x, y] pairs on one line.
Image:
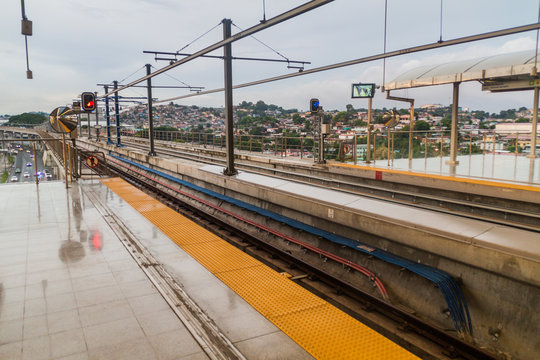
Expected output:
{"points": [[411, 120]]}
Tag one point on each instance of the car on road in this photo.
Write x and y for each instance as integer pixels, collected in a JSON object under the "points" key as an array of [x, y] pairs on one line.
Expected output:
{"points": [[17, 171], [28, 164], [48, 174], [26, 174], [14, 178]]}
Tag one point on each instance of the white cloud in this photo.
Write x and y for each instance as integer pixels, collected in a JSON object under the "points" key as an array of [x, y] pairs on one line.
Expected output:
{"points": [[77, 44]]}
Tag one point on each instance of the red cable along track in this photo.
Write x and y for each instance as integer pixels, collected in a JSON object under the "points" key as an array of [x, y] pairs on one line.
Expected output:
{"points": [[326, 254]]}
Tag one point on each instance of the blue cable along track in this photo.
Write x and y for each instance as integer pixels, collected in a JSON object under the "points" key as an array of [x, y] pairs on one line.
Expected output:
{"points": [[457, 306]]}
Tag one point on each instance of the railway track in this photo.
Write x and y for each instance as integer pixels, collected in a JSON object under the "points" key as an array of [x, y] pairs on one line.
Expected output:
{"points": [[423, 338], [514, 214]]}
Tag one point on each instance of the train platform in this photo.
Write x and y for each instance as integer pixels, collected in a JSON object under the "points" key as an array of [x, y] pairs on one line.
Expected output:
{"points": [[475, 233], [380, 173], [101, 270]]}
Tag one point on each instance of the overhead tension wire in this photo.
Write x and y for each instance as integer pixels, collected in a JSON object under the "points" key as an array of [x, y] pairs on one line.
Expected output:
{"points": [[219, 24]]}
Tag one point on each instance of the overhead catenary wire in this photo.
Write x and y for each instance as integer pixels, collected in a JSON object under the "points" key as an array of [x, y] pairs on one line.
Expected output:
{"points": [[424, 47], [172, 77], [262, 43], [127, 77], [278, 19], [199, 37], [313, 4]]}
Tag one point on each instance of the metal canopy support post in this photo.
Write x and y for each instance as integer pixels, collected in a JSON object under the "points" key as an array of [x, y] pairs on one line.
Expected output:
{"points": [[107, 115], [411, 129], [532, 154], [117, 114], [88, 124], [229, 126], [65, 159], [368, 149], [97, 118], [320, 157], [411, 120], [150, 113], [453, 132]]}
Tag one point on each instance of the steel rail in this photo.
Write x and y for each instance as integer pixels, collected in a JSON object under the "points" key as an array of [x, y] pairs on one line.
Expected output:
{"points": [[451, 343], [252, 30], [393, 195], [410, 50]]}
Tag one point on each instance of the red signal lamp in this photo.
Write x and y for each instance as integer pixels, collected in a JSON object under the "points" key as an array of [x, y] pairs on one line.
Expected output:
{"points": [[88, 101]]}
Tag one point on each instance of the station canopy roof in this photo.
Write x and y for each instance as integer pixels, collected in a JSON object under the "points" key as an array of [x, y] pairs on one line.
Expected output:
{"points": [[504, 72]]}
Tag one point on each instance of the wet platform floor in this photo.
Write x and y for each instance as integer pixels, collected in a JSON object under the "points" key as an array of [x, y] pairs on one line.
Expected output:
{"points": [[69, 289]]}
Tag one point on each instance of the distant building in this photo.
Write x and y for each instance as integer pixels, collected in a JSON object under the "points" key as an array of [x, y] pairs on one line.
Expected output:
{"points": [[431, 106], [512, 128]]}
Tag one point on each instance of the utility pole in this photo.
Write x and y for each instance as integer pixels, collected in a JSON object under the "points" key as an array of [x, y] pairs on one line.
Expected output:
{"points": [[97, 119], [323, 130], [107, 115], [229, 126], [117, 114], [150, 112], [368, 143]]}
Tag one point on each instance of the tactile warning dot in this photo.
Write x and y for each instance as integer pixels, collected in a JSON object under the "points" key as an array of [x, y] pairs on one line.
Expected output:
{"points": [[187, 235], [219, 256], [319, 327]]}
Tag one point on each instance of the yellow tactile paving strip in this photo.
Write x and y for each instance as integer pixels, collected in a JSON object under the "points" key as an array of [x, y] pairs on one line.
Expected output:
{"points": [[319, 327], [447, 178]]}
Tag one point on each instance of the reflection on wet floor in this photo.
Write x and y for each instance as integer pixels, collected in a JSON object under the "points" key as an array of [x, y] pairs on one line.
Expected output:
{"points": [[71, 251], [70, 289], [64, 294]]}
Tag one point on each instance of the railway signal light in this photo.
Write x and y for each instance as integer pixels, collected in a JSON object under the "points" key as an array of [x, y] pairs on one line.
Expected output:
{"points": [[88, 101], [314, 106]]}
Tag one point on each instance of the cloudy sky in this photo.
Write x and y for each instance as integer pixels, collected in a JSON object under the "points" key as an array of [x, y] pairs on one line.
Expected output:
{"points": [[78, 44]]}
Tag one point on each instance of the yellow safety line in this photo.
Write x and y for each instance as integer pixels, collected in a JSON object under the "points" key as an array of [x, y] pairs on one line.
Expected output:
{"points": [[320, 328], [446, 178]]}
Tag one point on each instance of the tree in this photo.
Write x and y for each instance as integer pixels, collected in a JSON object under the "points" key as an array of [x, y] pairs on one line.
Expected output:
{"points": [[257, 130], [297, 119], [350, 109], [522, 120], [342, 116], [421, 125], [446, 122], [307, 125], [359, 123], [260, 106], [27, 118]]}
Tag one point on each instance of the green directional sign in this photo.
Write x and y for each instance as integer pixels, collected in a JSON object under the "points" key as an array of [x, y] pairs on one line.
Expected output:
{"points": [[60, 120]]}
